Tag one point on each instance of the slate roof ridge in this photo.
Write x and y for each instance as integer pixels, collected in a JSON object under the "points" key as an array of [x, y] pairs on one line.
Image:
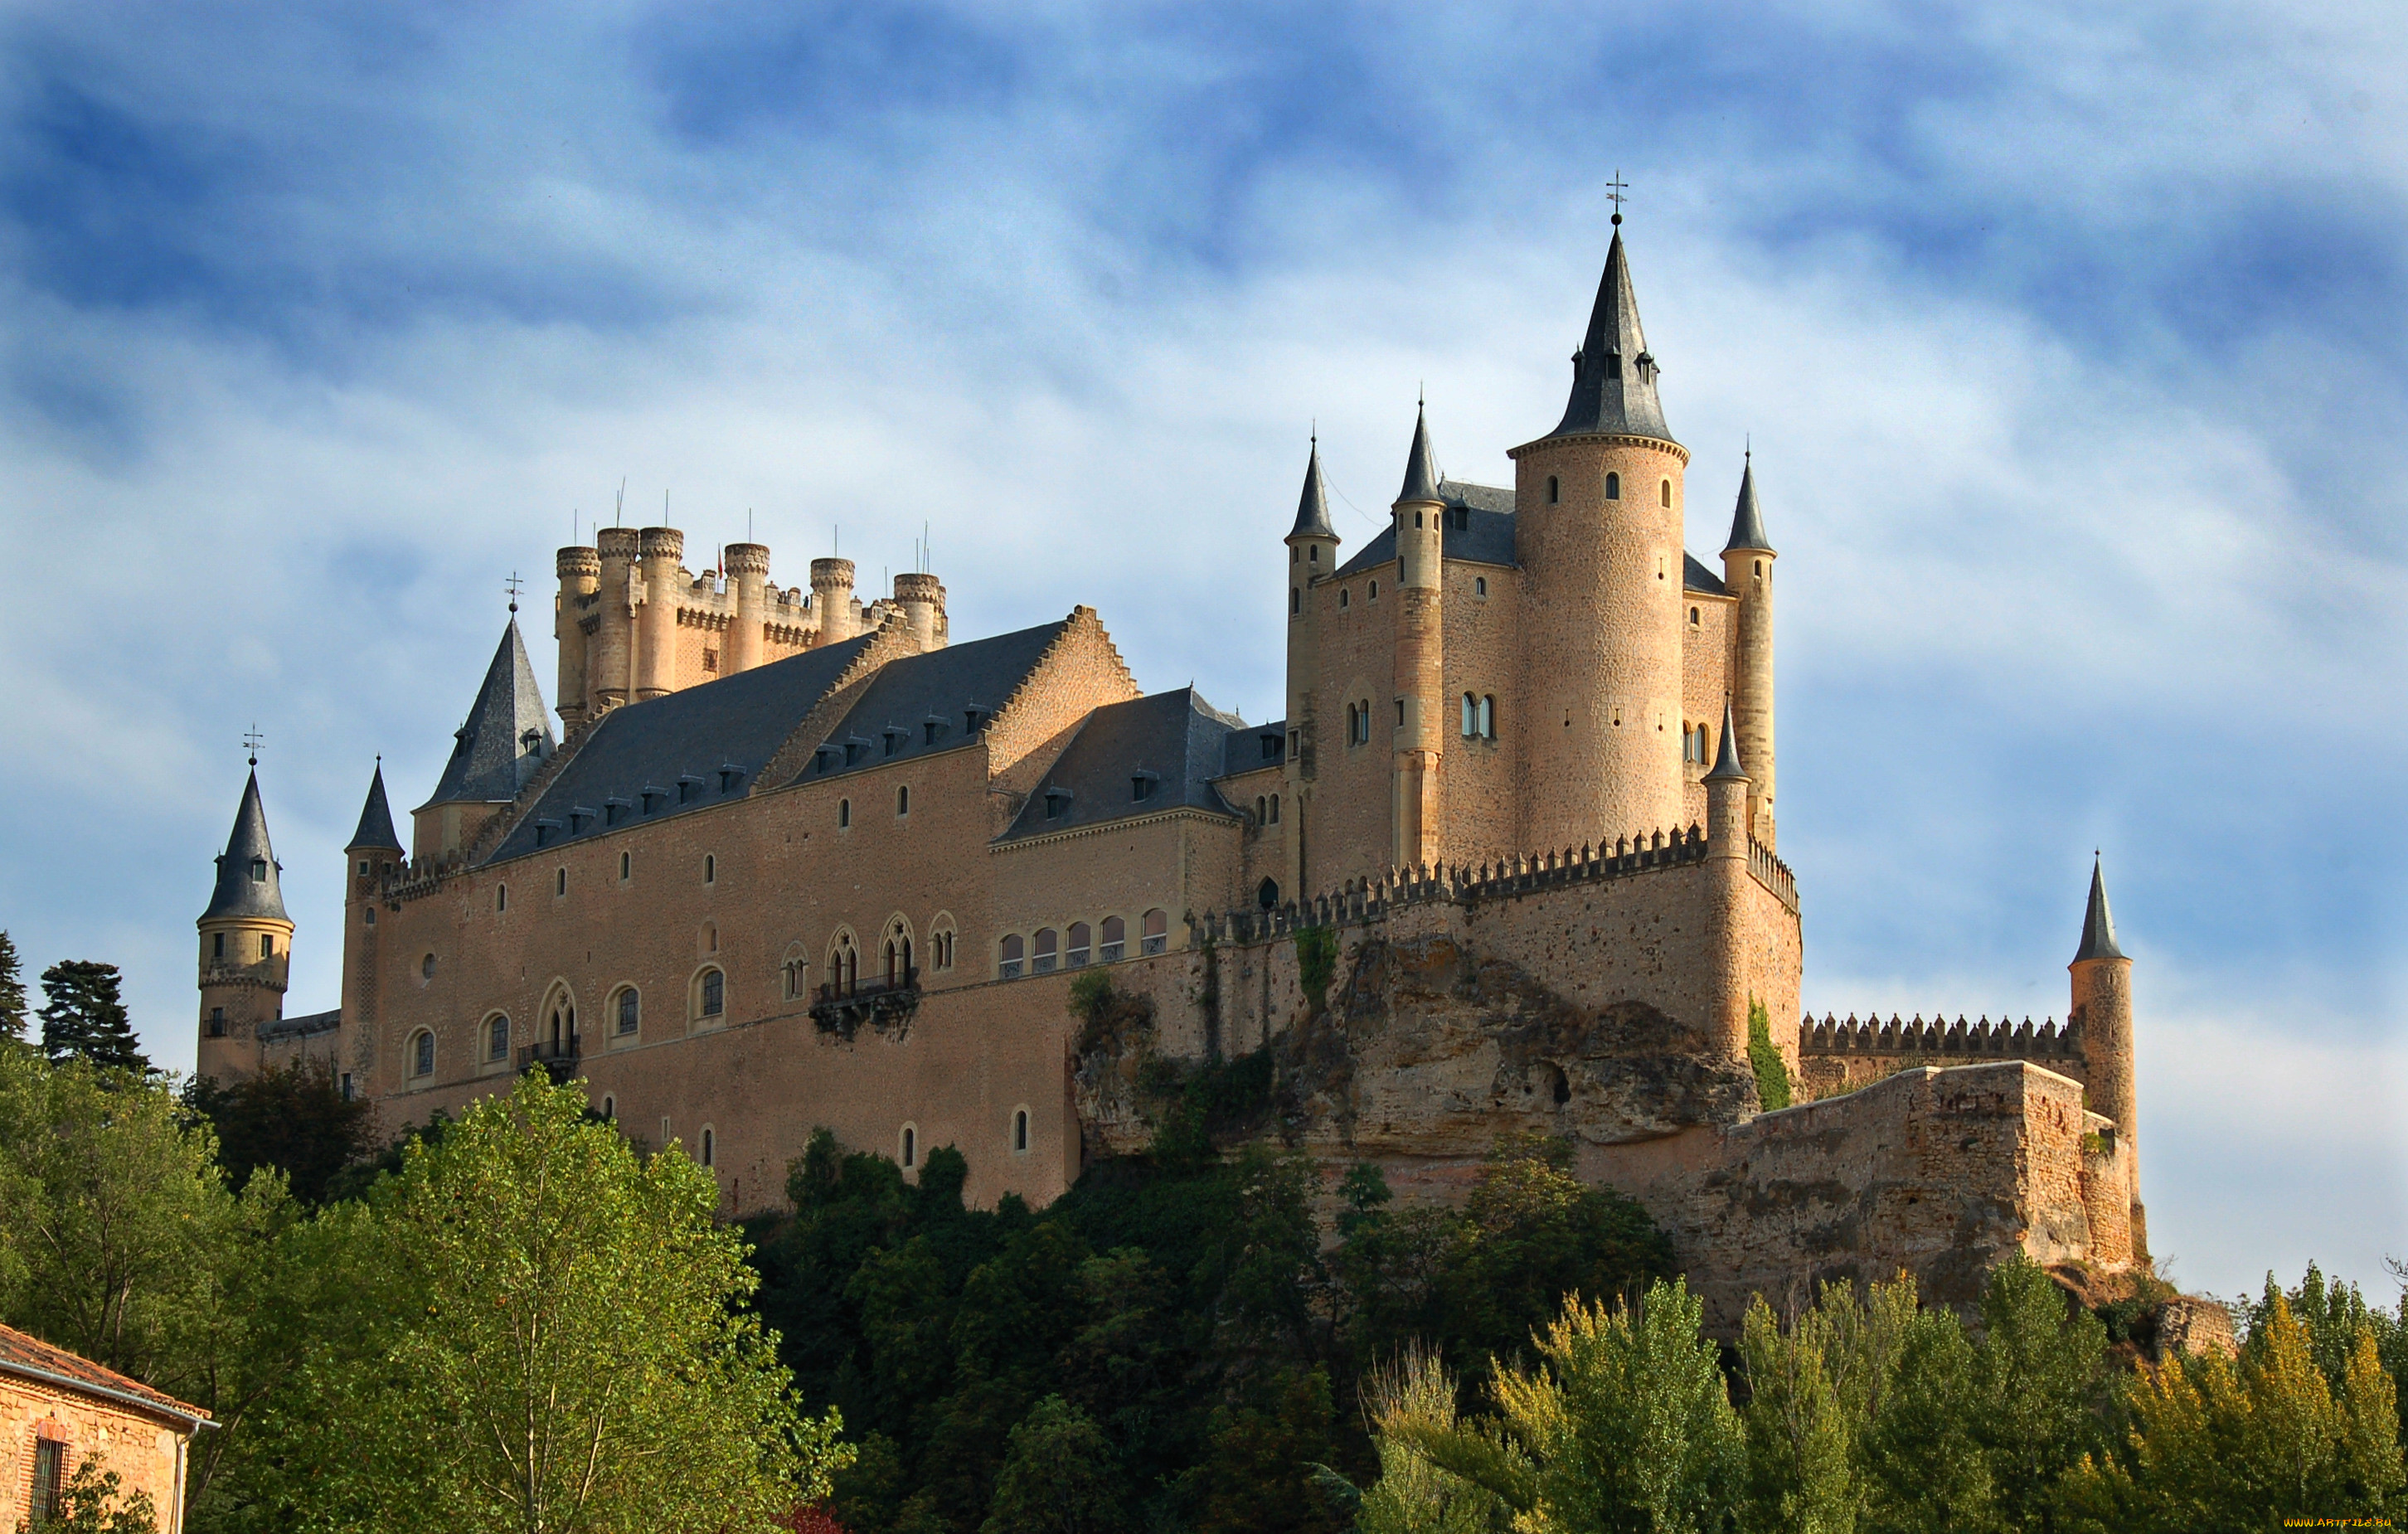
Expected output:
{"points": [[236, 893], [889, 641]]}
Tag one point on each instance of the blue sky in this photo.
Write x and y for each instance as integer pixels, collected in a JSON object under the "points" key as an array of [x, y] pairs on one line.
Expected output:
{"points": [[2070, 342]]}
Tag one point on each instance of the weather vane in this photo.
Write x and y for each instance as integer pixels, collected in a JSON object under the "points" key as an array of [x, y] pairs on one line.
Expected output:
{"points": [[513, 584], [1613, 193], [251, 741]]}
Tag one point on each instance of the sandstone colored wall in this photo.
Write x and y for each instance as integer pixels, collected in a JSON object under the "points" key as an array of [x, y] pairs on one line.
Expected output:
{"points": [[147, 1456], [1484, 657], [1347, 834]]}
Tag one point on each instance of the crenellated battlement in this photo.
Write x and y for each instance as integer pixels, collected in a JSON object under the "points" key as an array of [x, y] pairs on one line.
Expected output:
{"points": [[2004, 1038]]}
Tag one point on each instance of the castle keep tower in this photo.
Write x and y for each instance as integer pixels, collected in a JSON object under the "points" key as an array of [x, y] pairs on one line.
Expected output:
{"points": [[747, 567], [1748, 573], [246, 944], [573, 620], [1597, 505], [1312, 554], [610, 663], [655, 598], [1421, 657]]}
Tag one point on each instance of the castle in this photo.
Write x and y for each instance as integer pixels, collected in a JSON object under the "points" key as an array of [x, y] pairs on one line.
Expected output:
{"points": [[799, 861]]}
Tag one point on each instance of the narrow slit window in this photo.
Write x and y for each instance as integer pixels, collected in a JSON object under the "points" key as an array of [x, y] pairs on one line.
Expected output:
{"points": [[1555, 490], [1664, 493], [1613, 487], [843, 813], [1020, 1130]]}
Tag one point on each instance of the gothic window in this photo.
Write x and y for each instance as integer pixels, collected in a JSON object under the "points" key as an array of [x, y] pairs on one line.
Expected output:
{"points": [[1007, 959], [1613, 487], [941, 940], [894, 952], [422, 1054], [1044, 950], [1267, 893], [1489, 716], [1350, 723], [903, 800], [497, 1037], [1075, 956], [1470, 716], [1155, 934], [1274, 810], [1114, 935], [844, 963], [630, 1011]]}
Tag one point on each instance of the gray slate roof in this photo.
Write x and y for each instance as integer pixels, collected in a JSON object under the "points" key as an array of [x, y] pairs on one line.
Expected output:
{"points": [[1249, 750], [1727, 766], [918, 695], [308, 1026], [1613, 375], [2098, 923], [1421, 469], [1696, 577], [247, 869], [1747, 517], [376, 820], [1177, 738], [678, 746], [1312, 506], [508, 736], [1488, 539]]}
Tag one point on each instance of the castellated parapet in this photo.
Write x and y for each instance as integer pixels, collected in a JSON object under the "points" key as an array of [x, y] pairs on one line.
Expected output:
{"points": [[801, 861]]}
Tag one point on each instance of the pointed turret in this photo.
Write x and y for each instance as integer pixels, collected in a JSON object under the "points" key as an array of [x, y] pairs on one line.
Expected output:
{"points": [[1727, 768], [2098, 923], [1312, 507], [247, 884], [1421, 467], [375, 833], [507, 738], [1614, 374], [1747, 518]]}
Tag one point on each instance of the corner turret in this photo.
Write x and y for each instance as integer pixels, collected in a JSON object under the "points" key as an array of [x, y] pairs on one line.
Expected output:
{"points": [[2103, 1010], [1417, 812], [246, 940], [1726, 863], [1311, 556], [1747, 575]]}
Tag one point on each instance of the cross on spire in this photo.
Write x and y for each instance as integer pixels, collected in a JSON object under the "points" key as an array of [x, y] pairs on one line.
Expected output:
{"points": [[512, 585], [1613, 193], [251, 741]]}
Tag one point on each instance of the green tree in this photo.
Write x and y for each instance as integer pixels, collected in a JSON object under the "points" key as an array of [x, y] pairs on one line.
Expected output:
{"points": [[1624, 1423], [12, 991], [1772, 1071], [1413, 1390], [1257, 1475], [1806, 1410], [1059, 1476], [83, 1016], [567, 1348], [2040, 1388], [88, 1503], [293, 1118]]}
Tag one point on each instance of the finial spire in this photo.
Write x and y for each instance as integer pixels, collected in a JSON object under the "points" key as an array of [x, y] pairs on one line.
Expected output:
{"points": [[1747, 517], [1312, 506], [512, 585], [1613, 193], [1726, 765], [2098, 922], [251, 741], [1421, 467]]}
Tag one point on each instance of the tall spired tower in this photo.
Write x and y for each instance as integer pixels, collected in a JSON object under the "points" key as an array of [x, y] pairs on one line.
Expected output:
{"points": [[246, 942]]}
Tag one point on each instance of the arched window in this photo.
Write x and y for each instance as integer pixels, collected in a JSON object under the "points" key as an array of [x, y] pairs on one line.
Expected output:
{"points": [[895, 952], [844, 965], [609, 1107], [911, 1146], [710, 868], [1114, 943], [711, 992], [1664, 493], [560, 881], [1343, 597], [1613, 487], [903, 800], [1044, 950], [1470, 716], [1007, 959], [426, 968], [1154, 934], [1350, 723], [843, 813], [560, 1019], [1274, 810], [1693, 617], [629, 1011], [1554, 490], [1489, 716], [369, 912], [422, 1054], [709, 1145], [627, 866], [1375, 591], [1075, 956], [501, 897], [1262, 810], [1479, 585], [1267, 893], [498, 1038], [1020, 1131]]}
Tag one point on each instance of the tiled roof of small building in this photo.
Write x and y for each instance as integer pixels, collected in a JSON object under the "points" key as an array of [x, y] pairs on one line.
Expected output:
{"points": [[241, 892], [920, 705], [1175, 740], [26, 1355], [679, 745], [507, 734]]}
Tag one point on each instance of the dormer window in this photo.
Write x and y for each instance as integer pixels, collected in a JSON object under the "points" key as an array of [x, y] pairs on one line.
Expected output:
{"points": [[1141, 784], [1270, 747], [894, 738], [1056, 801], [852, 750], [259, 870], [970, 717], [688, 785], [930, 728], [728, 774], [1613, 364], [822, 758]]}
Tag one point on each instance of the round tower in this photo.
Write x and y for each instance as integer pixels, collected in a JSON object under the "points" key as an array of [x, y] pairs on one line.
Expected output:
{"points": [[1727, 862], [1747, 574], [832, 600], [611, 658], [2102, 1011], [1311, 555], [372, 858], [747, 566], [1597, 507], [921, 598], [1421, 656], [580, 575], [660, 550], [246, 941]]}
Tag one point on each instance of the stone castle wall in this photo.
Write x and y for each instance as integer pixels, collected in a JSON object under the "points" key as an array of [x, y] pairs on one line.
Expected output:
{"points": [[1834, 1057]]}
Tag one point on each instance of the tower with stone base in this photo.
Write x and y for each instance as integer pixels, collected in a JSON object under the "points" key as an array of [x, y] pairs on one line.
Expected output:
{"points": [[246, 945]]}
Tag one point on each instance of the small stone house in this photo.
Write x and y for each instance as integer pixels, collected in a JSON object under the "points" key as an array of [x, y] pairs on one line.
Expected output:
{"points": [[58, 1410]]}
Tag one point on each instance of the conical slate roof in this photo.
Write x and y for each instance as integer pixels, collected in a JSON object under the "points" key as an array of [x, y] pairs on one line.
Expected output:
{"points": [[376, 820], [1421, 469], [1312, 507], [1613, 375], [1727, 768], [2098, 923], [1747, 518], [247, 869], [507, 738]]}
